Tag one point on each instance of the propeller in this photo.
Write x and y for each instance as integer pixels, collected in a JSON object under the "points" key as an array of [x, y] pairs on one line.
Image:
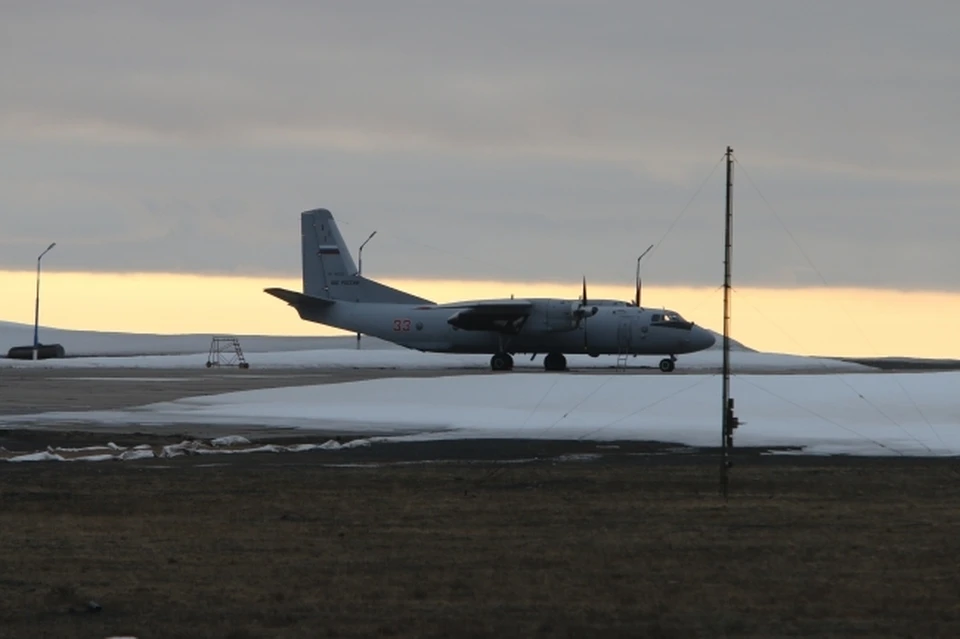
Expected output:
{"points": [[583, 304], [582, 312]]}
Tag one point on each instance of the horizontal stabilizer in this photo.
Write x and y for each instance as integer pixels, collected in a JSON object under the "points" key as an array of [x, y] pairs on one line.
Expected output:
{"points": [[299, 300]]}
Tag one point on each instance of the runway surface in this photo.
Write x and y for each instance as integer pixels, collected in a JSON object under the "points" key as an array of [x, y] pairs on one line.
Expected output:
{"points": [[24, 391]]}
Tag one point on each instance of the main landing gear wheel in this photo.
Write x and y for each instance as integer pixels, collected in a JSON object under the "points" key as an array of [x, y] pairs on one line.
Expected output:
{"points": [[667, 365], [501, 362], [555, 362]]}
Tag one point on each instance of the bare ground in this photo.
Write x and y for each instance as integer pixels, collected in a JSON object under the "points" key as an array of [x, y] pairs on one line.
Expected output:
{"points": [[627, 544]]}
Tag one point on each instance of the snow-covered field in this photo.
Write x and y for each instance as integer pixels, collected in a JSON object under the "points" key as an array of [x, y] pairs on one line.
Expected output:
{"points": [[779, 398], [891, 414]]}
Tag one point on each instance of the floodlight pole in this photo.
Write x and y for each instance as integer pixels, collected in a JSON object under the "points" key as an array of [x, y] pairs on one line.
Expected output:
{"points": [[36, 307], [637, 300], [360, 270], [729, 421]]}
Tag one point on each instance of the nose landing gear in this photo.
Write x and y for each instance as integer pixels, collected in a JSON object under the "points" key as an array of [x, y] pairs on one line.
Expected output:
{"points": [[667, 364]]}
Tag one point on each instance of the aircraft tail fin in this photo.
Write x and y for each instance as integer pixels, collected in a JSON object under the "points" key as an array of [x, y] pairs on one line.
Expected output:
{"points": [[329, 271]]}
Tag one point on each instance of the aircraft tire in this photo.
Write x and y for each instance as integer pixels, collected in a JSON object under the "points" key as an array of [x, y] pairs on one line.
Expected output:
{"points": [[667, 365], [555, 362], [501, 362]]}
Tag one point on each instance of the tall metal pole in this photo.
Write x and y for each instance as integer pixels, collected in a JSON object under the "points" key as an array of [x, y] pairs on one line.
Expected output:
{"points": [[360, 270], [637, 300], [36, 307], [729, 421], [360, 254]]}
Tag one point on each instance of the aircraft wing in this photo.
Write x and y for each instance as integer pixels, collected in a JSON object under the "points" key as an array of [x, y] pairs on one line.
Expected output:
{"points": [[505, 302], [502, 316]]}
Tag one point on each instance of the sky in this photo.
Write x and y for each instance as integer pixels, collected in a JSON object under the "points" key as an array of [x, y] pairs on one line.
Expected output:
{"points": [[517, 142]]}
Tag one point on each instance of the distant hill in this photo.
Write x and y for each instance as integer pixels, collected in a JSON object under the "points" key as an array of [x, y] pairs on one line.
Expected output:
{"points": [[906, 363], [734, 344], [100, 343], [91, 343]]}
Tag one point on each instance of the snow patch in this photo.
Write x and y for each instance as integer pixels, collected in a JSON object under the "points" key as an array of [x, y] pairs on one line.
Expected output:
{"points": [[85, 449], [187, 447], [579, 457], [35, 457], [137, 453], [357, 443], [230, 440], [93, 458], [193, 447]]}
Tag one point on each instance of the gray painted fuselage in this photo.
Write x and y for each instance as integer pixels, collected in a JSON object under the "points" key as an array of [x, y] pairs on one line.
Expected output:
{"points": [[613, 330]]}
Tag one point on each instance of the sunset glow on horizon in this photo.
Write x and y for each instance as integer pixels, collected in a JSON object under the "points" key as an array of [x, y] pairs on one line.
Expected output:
{"points": [[809, 321]]}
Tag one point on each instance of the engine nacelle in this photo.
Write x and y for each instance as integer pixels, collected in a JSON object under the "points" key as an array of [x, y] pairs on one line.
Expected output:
{"points": [[561, 315], [578, 312]]}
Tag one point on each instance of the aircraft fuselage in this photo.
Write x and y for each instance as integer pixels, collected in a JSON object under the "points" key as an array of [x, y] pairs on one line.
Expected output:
{"points": [[612, 330]]}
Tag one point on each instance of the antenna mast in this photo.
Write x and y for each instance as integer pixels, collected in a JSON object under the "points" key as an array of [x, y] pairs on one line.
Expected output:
{"points": [[729, 421]]}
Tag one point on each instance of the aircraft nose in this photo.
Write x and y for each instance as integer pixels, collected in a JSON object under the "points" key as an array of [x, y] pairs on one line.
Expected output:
{"points": [[704, 339]]}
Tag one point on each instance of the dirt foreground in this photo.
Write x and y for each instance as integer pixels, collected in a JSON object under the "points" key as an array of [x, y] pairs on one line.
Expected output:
{"points": [[625, 545]]}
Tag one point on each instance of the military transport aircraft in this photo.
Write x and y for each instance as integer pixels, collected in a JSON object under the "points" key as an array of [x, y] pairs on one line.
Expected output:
{"points": [[335, 294]]}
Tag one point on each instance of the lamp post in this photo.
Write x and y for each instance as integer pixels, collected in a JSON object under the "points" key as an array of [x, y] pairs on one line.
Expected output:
{"points": [[36, 307], [638, 275], [360, 254], [360, 270]]}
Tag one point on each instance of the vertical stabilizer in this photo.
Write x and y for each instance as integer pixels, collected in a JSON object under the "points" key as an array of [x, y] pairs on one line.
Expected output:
{"points": [[325, 255], [329, 271]]}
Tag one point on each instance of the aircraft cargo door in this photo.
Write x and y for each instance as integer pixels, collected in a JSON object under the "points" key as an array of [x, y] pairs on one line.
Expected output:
{"points": [[631, 333]]}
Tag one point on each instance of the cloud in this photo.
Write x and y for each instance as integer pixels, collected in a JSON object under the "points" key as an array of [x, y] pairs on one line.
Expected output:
{"points": [[542, 139]]}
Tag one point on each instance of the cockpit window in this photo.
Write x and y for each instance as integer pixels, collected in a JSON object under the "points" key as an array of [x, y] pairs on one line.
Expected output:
{"points": [[669, 319]]}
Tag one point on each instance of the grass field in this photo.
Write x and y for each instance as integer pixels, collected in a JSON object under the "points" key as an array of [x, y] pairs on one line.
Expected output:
{"points": [[270, 546]]}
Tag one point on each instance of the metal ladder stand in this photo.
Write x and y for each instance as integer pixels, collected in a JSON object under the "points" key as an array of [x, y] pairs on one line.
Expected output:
{"points": [[624, 334], [225, 351]]}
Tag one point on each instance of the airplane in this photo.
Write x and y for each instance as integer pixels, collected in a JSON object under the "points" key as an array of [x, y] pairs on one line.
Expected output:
{"points": [[335, 294]]}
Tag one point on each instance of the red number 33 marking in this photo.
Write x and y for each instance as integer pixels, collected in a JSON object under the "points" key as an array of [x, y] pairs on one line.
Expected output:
{"points": [[401, 325]]}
